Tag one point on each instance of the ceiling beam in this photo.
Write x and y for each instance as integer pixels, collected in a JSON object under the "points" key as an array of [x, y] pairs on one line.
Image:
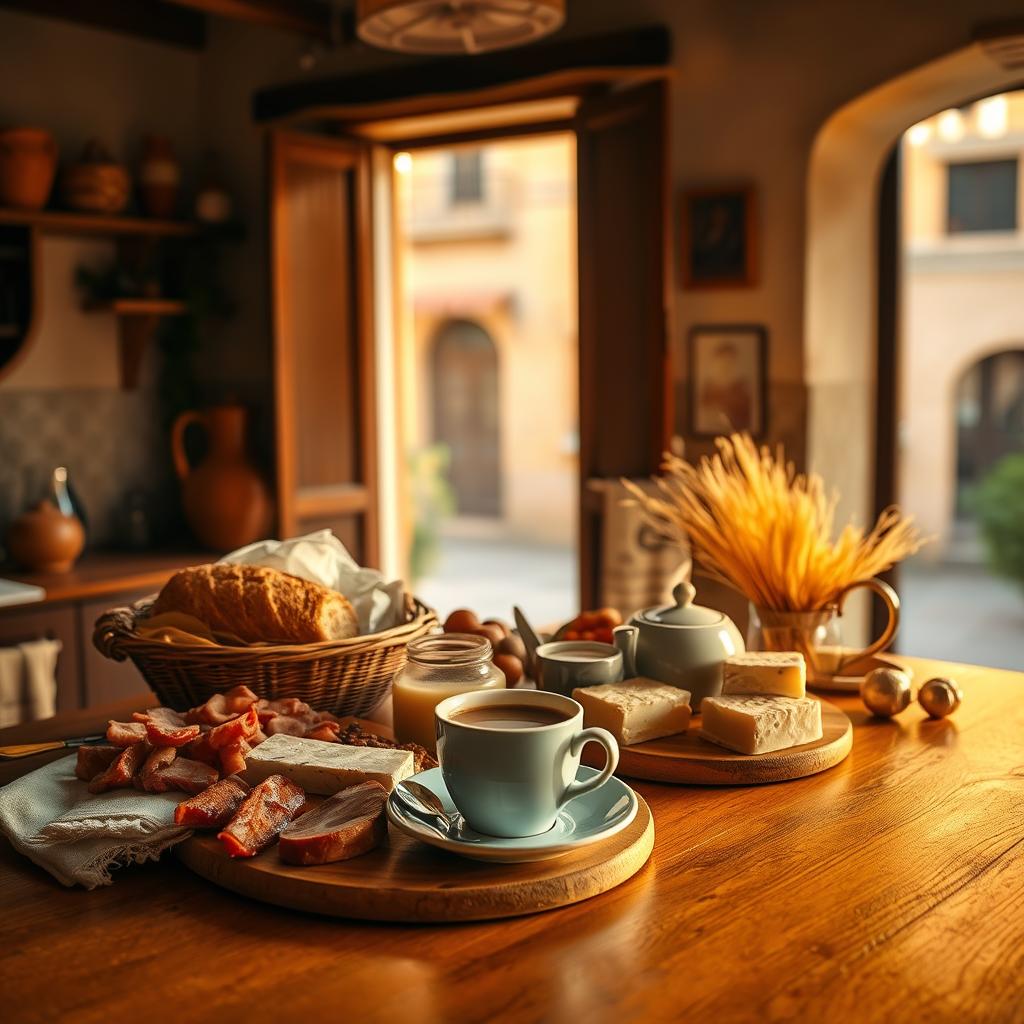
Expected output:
{"points": [[158, 21], [304, 17]]}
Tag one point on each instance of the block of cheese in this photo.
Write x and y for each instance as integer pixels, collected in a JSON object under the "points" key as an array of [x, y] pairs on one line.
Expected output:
{"points": [[325, 768], [635, 710], [757, 724], [782, 674]]}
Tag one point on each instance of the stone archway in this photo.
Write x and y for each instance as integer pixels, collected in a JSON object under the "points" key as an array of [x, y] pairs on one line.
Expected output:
{"points": [[840, 302]]}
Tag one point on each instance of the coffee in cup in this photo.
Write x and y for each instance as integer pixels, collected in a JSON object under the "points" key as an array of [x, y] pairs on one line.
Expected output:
{"points": [[509, 758]]}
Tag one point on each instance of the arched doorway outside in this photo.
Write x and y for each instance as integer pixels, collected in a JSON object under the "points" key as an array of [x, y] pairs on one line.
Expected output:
{"points": [[846, 372], [989, 420], [466, 414]]}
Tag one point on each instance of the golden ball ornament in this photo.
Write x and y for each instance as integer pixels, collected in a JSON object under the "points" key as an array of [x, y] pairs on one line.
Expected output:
{"points": [[940, 697], [886, 691]]}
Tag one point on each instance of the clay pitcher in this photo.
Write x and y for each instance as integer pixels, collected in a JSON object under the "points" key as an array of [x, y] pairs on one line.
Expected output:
{"points": [[226, 503]]}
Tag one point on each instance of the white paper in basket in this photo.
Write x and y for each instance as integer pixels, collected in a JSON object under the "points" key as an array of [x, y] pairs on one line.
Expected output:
{"points": [[321, 558]]}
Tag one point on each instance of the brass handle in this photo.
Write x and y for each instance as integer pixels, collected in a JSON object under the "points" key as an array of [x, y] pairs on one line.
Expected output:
{"points": [[16, 750], [892, 602]]}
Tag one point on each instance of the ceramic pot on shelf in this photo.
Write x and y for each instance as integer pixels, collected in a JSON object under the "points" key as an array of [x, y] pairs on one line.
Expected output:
{"points": [[159, 177], [96, 183], [28, 162], [226, 503], [45, 540]]}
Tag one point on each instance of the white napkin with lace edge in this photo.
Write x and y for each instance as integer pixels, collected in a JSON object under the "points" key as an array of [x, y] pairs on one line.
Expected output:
{"points": [[79, 837]]}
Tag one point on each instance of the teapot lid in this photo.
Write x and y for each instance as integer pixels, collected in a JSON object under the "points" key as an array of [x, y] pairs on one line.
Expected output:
{"points": [[684, 612]]}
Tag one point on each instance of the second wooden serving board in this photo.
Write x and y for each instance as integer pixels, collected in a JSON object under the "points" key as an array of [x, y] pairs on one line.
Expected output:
{"points": [[688, 759]]}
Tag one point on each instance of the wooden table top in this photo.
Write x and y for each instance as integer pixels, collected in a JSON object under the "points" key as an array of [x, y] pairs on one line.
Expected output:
{"points": [[888, 888]]}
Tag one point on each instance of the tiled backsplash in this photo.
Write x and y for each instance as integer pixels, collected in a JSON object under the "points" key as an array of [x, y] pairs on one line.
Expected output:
{"points": [[111, 442]]}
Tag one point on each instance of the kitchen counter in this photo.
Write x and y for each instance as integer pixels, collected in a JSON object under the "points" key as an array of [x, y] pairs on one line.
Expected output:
{"points": [[889, 888], [100, 573]]}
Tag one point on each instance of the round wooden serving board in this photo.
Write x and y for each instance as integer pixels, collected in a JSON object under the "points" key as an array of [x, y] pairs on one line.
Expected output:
{"points": [[406, 880], [688, 759]]}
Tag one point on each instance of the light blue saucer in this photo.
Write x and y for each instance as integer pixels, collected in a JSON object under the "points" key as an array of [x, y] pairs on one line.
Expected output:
{"points": [[588, 818]]}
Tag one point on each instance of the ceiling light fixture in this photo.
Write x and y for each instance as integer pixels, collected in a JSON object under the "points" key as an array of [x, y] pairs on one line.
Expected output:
{"points": [[950, 126], [992, 116], [456, 26]]}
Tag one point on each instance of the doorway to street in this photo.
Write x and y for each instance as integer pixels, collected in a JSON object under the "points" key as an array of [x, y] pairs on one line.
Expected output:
{"points": [[488, 368]]}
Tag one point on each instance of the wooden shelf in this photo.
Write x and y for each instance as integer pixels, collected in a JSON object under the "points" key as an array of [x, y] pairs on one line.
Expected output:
{"points": [[107, 572], [61, 222], [138, 320], [138, 307]]}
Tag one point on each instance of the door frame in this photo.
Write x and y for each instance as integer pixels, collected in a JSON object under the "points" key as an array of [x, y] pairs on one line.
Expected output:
{"points": [[357, 498]]}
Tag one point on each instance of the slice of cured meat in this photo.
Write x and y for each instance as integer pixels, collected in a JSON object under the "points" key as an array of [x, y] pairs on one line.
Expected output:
{"points": [[120, 772], [232, 757], [165, 716], [200, 750], [160, 758], [183, 774], [222, 707], [285, 724], [326, 731], [262, 815], [124, 734], [214, 807], [241, 728], [93, 760], [345, 825], [160, 734]]}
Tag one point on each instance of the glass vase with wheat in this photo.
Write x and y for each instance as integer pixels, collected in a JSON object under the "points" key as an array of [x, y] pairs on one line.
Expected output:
{"points": [[765, 530]]}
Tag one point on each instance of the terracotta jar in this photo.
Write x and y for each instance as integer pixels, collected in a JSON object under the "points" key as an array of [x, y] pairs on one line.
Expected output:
{"points": [[226, 502], [28, 161], [159, 177], [96, 183], [46, 540]]}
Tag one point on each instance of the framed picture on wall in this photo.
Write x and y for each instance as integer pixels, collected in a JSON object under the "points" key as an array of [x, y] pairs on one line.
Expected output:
{"points": [[719, 237], [727, 379]]}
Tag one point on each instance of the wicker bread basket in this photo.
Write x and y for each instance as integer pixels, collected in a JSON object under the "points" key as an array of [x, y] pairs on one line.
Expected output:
{"points": [[346, 677]]}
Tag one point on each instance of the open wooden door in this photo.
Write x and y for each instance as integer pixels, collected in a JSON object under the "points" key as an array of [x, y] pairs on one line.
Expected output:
{"points": [[625, 301], [323, 340]]}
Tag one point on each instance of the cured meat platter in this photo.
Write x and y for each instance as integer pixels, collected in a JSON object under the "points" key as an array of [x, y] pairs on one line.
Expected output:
{"points": [[688, 759], [406, 880]]}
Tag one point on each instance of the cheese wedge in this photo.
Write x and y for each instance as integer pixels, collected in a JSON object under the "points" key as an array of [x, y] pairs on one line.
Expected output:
{"points": [[757, 724], [635, 710], [325, 768], [783, 674]]}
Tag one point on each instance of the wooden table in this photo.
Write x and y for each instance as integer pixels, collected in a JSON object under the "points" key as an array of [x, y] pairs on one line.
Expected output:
{"points": [[889, 888]]}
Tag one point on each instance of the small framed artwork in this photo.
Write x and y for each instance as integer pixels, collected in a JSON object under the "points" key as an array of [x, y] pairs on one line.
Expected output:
{"points": [[719, 237], [727, 376]]}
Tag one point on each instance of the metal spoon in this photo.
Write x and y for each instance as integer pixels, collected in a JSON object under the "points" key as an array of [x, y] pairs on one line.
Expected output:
{"points": [[424, 804]]}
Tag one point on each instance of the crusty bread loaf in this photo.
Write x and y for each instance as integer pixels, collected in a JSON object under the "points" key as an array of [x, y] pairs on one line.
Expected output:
{"points": [[258, 604]]}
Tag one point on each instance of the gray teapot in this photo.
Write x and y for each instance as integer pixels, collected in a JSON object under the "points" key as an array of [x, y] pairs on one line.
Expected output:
{"points": [[683, 644]]}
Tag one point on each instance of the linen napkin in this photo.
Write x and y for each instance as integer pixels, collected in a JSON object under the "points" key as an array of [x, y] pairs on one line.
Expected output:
{"points": [[79, 837], [321, 558]]}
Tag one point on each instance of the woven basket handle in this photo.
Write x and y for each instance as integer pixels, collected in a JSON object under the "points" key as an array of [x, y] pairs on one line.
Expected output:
{"points": [[109, 628]]}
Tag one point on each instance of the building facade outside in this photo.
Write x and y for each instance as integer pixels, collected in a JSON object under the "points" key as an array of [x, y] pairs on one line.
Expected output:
{"points": [[488, 346], [962, 339]]}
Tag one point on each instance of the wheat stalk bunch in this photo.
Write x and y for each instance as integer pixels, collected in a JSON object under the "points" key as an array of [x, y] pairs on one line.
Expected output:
{"points": [[762, 528]]}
